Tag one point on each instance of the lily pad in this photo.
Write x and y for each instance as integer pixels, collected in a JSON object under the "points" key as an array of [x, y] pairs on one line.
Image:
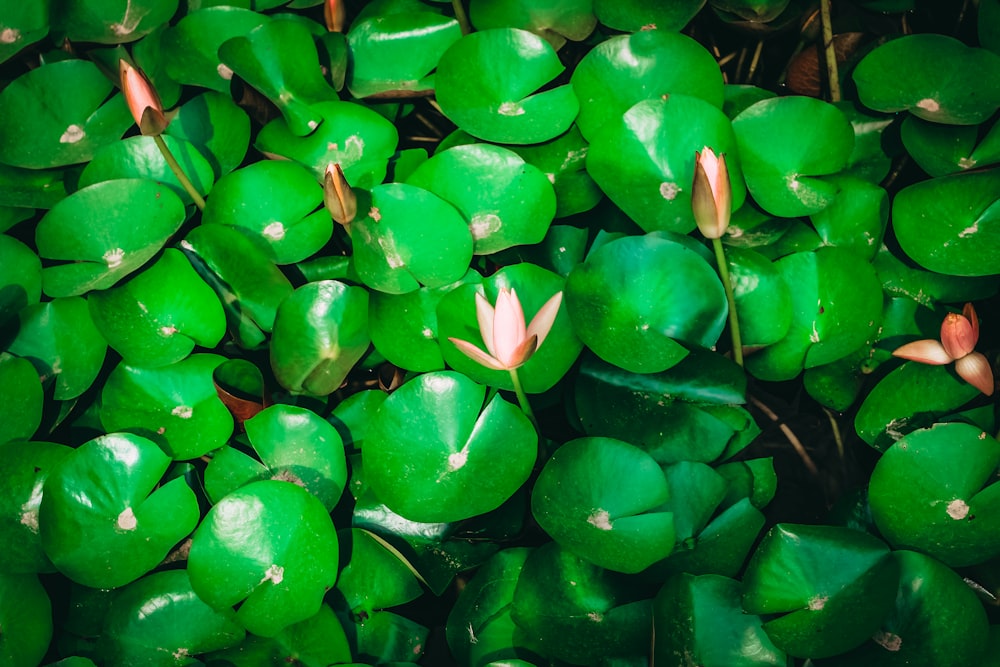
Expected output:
{"points": [[110, 21], [20, 278], [935, 491], [934, 77], [26, 615], [665, 296], [763, 300], [951, 224], [27, 22], [644, 160], [486, 84], [176, 406], [939, 149], [57, 115], [435, 453], [269, 547], [105, 232], [627, 69], [553, 20], [597, 497], [505, 201], [105, 517], [158, 316], [22, 398], [636, 15], [190, 48], [787, 145], [217, 126], [373, 576], [856, 219]]}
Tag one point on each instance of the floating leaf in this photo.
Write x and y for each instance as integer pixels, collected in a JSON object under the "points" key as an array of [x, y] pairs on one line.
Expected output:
{"points": [[373, 577], [636, 15], [20, 278], [763, 300], [26, 616], [105, 517], [857, 217], [21, 398], [110, 21], [434, 453], [486, 84], [217, 126], [270, 547], [553, 20], [26, 23], [939, 149], [190, 48]]}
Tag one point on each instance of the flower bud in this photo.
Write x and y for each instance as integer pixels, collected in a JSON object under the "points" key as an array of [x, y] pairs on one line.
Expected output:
{"points": [[711, 194], [143, 102], [338, 196], [960, 333]]}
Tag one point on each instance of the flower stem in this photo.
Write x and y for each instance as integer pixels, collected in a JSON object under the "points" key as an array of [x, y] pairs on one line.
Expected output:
{"points": [[522, 398], [178, 172], [461, 16], [833, 78], [734, 322]]}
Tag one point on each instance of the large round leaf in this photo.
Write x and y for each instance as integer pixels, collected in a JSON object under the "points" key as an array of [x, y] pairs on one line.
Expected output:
{"points": [[396, 251], [110, 21], [320, 333], [636, 15], [270, 547], [435, 453], [534, 286], [159, 620], [56, 115], [217, 126], [360, 140], [22, 398], [20, 278], [637, 299], [505, 201], [554, 20], [563, 161], [857, 217], [60, 339], [175, 405], [787, 145], [24, 466], [105, 232], [935, 77], [826, 588], [939, 149], [26, 23], [597, 497], [272, 202], [763, 300], [191, 47], [935, 491], [373, 576], [26, 618], [160, 314], [105, 517], [644, 160], [627, 69], [951, 224], [486, 84]]}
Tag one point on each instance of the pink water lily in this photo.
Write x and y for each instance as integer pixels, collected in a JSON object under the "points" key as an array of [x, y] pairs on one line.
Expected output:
{"points": [[959, 335], [711, 193], [143, 102], [509, 343]]}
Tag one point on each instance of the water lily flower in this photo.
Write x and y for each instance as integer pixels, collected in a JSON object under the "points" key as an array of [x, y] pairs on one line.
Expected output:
{"points": [[338, 196], [959, 335], [508, 341], [711, 193], [335, 15], [143, 102]]}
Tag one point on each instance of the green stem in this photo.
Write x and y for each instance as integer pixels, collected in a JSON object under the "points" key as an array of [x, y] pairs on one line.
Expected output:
{"points": [[833, 78], [461, 17], [522, 398], [178, 172], [734, 321]]}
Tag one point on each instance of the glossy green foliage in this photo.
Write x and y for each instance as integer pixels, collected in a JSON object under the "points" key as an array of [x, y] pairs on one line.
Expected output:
{"points": [[21, 398], [28, 23], [636, 15], [26, 616], [190, 48], [763, 299], [373, 576], [216, 126], [85, 21], [554, 20]]}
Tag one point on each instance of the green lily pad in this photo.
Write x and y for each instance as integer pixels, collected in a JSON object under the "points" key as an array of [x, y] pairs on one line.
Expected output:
{"points": [[486, 84], [763, 301], [20, 278], [247, 282], [105, 517], [27, 23], [26, 615], [826, 588], [160, 314], [395, 52], [787, 145], [177, 406], [279, 59], [395, 251], [627, 69], [217, 126], [597, 497], [22, 398], [275, 204], [636, 15], [902, 279], [139, 157], [934, 77], [57, 115], [756, 11], [457, 318], [505, 201], [110, 21], [320, 333], [555, 21], [21, 190], [563, 161], [939, 149], [569, 609], [856, 219], [24, 466], [190, 48], [644, 160], [868, 160], [935, 491], [105, 232], [836, 308], [386, 638], [61, 341], [932, 602], [360, 140], [665, 296], [373, 576], [435, 453], [951, 224], [270, 547], [720, 547], [160, 615], [700, 617]]}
